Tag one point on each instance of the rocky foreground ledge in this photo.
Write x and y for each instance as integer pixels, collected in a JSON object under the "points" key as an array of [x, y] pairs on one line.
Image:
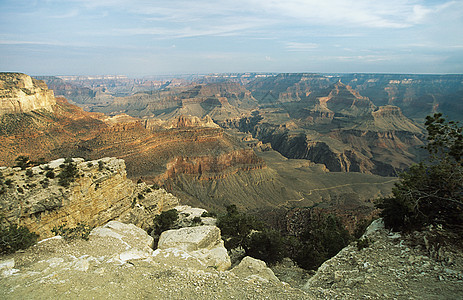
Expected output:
{"points": [[117, 262], [190, 263], [392, 266]]}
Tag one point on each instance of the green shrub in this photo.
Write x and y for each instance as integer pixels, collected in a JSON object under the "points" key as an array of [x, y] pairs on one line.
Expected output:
{"points": [[208, 214], [323, 238], [22, 161], [165, 221], [50, 174], [236, 226], [68, 174], [80, 231], [196, 221], [15, 237], [267, 245], [29, 173]]}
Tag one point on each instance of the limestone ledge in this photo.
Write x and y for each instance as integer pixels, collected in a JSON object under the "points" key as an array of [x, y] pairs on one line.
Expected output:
{"points": [[100, 193]]}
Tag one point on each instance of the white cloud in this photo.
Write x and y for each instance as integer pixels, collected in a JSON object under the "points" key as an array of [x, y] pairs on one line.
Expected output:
{"points": [[294, 46]]}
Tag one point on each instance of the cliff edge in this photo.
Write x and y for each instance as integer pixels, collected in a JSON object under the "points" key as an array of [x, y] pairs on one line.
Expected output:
{"points": [[39, 198], [21, 93]]}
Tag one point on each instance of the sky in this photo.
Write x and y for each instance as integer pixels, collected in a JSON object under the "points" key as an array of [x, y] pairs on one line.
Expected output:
{"points": [[142, 37]]}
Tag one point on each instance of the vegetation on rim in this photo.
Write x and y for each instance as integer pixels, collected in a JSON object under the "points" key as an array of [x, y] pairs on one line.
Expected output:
{"points": [[430, 193]]}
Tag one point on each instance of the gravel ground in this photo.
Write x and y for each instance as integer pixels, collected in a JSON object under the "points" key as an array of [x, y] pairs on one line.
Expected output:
{"points": [[80, 269]]}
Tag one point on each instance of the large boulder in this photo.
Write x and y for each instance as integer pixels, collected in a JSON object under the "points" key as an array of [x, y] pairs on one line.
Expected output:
{"points": [[134, 242], [202, 242], [190, 238], [255, 270]]}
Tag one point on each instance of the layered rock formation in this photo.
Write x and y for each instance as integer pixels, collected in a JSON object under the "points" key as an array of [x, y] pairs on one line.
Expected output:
{"points": [[101, 192], [21, 93], [342, 130]]}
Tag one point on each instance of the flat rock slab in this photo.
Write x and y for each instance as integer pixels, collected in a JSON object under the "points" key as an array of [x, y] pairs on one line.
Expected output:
{"points": [[190, 238]]}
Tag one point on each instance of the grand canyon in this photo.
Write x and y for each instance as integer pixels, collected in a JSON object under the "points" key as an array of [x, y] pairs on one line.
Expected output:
{"points": [[283, 147]]}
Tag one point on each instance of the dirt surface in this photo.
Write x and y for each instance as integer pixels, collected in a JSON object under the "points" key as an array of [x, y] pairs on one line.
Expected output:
{"points": [[391, 268]]}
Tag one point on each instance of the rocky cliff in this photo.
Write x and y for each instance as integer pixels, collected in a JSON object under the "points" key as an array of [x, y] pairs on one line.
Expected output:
{"points": [[21, 93], [101, 192]]}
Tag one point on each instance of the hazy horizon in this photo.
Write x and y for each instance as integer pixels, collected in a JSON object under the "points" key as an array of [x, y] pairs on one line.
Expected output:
{"points": [[142, 38]]}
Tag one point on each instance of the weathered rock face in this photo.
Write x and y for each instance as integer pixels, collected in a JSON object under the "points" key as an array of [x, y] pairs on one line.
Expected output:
{"points": [[21, 93], [203, 242], [215, 166], [100, 193]]}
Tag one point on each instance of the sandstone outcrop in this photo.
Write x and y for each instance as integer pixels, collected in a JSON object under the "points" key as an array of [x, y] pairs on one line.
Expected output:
{"points": [[100, 192], [20, 93]]}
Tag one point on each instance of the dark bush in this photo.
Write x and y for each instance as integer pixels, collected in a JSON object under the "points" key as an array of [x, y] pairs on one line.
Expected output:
{"points": [[208, 214], [50, 174], [22, 161], [68, 174], [267, 245], [324, 237], [14, 237], [29, 173], [196, 221], [236, 226], [165, 221]]}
